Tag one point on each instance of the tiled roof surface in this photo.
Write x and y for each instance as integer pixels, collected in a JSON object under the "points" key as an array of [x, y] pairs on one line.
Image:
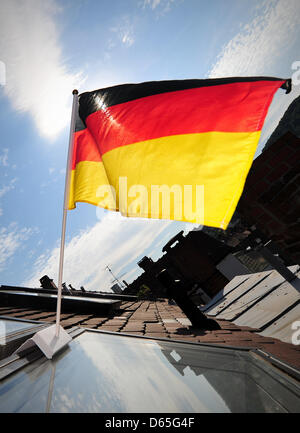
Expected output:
{"points": [[162, 320]]}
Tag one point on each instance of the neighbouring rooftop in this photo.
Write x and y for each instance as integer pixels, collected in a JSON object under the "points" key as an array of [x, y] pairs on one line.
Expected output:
{"points": [[243, 310]]}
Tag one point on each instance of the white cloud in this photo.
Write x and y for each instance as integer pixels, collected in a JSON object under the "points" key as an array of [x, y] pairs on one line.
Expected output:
{"points": [[257, 50], [115, 241], [155, 4], [257, 47], [6, 188], [4, 157], [152, 3], [11, 239], [37, 79], [127, 38], [124, 31]]}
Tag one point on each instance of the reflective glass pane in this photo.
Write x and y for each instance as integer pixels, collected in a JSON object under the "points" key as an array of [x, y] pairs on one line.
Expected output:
{"points": [[112, 373], [9, 326]]}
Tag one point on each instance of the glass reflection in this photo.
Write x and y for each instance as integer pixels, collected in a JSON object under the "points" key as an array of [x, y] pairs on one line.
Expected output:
{"points": [[108, 373], [9, 326]]}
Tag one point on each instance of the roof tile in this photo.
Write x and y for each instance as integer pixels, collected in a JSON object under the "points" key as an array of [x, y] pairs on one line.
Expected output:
{"points": [[158, 319]]}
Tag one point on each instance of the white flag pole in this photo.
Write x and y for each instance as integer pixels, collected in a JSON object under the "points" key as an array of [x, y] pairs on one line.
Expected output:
{"points": [[65, 208]]}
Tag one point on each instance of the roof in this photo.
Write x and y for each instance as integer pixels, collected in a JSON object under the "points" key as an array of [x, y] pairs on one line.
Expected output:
{"points": [[159, 319], [253, 310]]}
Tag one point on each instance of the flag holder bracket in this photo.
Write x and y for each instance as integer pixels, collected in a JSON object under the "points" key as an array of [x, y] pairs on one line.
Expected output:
{"points": [[47, 341]]}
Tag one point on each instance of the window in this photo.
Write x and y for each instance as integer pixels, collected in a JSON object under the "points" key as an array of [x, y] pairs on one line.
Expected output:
{"points": [[103, 372], [13, 332]]}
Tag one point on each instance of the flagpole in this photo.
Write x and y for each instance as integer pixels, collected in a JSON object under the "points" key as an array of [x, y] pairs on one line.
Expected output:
{"points": [[65, 208]]}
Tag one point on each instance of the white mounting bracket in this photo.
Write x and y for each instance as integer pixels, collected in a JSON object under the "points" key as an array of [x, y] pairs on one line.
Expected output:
{"points": [[47, 341]]}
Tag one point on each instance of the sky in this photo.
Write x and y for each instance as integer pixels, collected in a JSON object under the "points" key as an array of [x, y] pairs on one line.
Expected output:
{"points": [[50, 47]]}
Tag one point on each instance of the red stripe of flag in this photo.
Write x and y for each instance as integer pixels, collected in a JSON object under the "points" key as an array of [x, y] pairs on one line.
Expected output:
{"points": [[235, 107], [85, 148]]}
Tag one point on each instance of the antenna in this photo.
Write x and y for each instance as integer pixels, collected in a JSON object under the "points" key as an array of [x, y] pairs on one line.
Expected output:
{"points": [[115, 278]]}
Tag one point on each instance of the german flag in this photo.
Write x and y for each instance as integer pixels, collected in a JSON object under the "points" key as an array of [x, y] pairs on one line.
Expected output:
{"points": [[184, 138]]}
